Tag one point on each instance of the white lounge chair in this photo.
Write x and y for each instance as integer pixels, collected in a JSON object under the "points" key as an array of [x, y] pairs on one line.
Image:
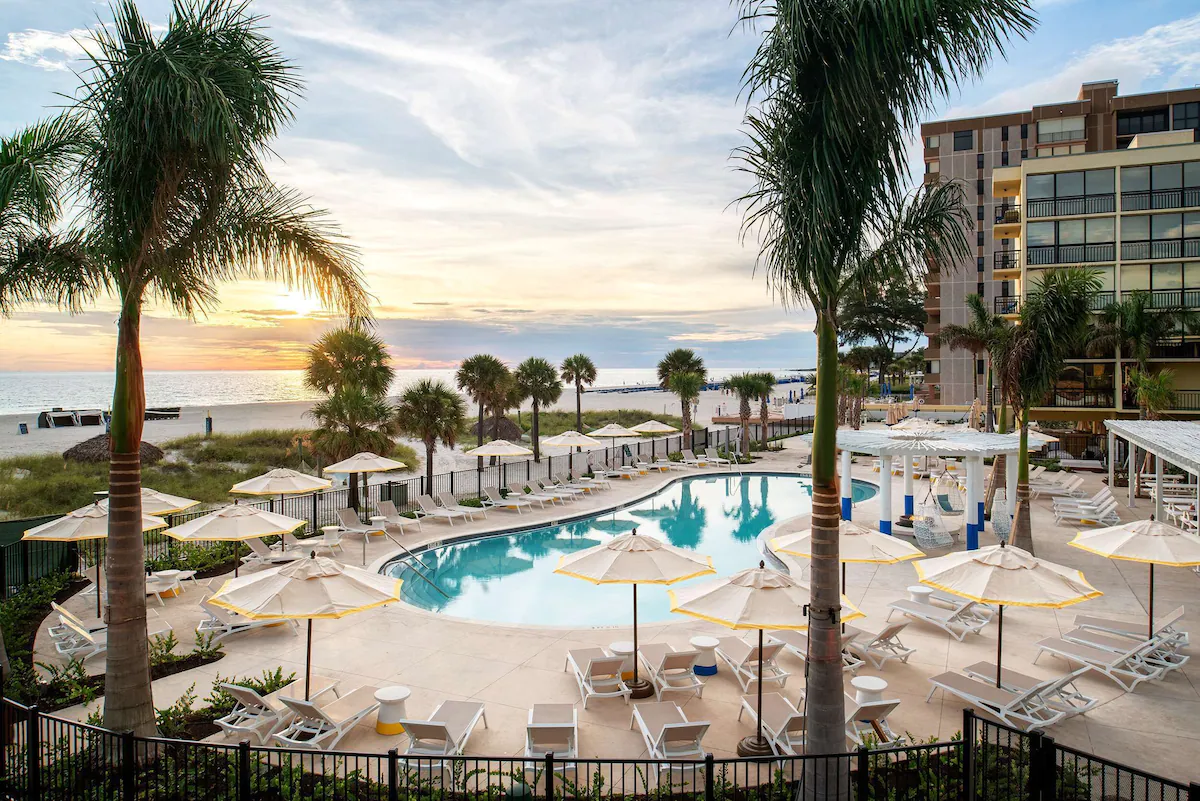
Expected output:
{"points": [[620, 471], [324, 725], [1106, 513], [86, 644], [222, 622], [495, 500], [1059, 692], [1022, 709], [260, 554], [797, 643], [448, 501], [958, 623], [1070, 487], [668, 733], [263, 715], [565, 481], [158, 587], [62, 631], [711, 455], [566, 493], [598, 674], [393, 518], [782, 723], [982, 611], [552, 728], [869, 721], [1128, 669], [430, 509], [1102, 495], [1157, 652], [690, 460], [670, 671], [516, 490], [879, 649], [742, 658], [597, 480], [446, 731], [1165, 628]]}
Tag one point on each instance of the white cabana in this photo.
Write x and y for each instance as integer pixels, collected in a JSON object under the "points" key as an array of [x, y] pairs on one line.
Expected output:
{"points": [[1173, 441]]}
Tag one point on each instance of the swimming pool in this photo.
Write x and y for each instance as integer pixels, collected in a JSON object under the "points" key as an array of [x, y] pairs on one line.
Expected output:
{"points": [[509, 578]]}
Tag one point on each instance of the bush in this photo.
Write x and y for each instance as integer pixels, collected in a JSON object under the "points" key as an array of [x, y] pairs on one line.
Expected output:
{"points": [[215, 557]]}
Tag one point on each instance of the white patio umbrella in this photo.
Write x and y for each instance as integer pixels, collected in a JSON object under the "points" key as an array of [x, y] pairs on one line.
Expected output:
{"points": [[310, 589], [856, 543], [612, 431], [280, 481], [635, 559], [234, 523], [499, 447], [1005, 576], [570, 439], [758, 598], [654, 427], [87, 523], [1147, 541], [364, 462], [160, 503]]}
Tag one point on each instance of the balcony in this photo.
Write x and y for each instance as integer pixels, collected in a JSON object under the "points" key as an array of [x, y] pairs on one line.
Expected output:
{"points": [[1006, 265], [1187, 400], [1051, 137], [1071, 254], [1102, 300], [1070, 206], [1006, 181], [1169, 298], [1161, 249], [1186, 198], [1007, 306], [1177, 349], [1067, 397], [1008, 223]]}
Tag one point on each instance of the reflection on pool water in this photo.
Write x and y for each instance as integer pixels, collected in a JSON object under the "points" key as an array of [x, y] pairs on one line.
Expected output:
{"points": [[511, 579]]}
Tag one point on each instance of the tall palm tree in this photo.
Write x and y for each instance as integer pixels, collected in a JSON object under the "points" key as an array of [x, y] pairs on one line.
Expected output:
{"points": [[680, 360], [481, 376], [580, 371], [1132, 326], [687, 386], [747, 387], [169, 131], [431, 411], [538, 381], [349, 357], [979, 335], [1154, 392], [767, 382], [833, 91], [1054, 322]]}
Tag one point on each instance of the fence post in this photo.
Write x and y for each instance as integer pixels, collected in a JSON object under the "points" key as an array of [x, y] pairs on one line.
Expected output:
{"points": [[1046, 784], [243, 777], [504, 474], [4, 572], [968, 754], [1194, 792], [34, 755], [451, 482], [549, 776], [25, 562], [708, 777], [1033, 790], [313, 524], [863, 786], [393, 776], [128, 767]]}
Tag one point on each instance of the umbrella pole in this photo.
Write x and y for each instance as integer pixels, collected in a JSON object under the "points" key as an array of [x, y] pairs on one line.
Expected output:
{"points": [[100, 613], [756, 746], [1150, 624], [999, 644], [843, 591], [308, 662], [640, 687], [758, 735]]}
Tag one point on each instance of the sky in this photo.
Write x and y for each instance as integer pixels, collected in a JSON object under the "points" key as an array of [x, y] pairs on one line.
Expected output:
{"points": [[529, 177]]}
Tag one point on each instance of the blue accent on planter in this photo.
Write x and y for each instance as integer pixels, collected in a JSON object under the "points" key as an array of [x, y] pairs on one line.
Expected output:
{"points": [[705, 670], [885, 526], [846, 507], [908, 504], [972, 537]]}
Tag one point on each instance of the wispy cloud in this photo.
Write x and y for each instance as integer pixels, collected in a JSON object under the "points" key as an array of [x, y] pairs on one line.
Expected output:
{"points": [[44, 49]]}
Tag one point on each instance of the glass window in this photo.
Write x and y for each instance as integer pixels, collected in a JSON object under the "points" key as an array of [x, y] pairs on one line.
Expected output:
{"points": [[979, 161], [1105, 274], [1024, 130], [1040, 233], [1003, 133], [1038, 187], [1069, 184], [1191, 225], [933, 141], [1166, 226], [932, 167], [1102, 229], [1135, 229], [933, 367], [1098, 182], [1071, 232], [979, 186], [1135, 276], [1166, 276], [964, 140], [1003, 158], [1135, 179], [979, 213], [1191, 173], [979, 238], [1166, 176], [979, 263], [1191, 275], [1130, 123], [1187, 115]]}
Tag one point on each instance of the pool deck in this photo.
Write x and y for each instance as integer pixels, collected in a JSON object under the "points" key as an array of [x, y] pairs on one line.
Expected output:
{"points": [[1155, 728]]}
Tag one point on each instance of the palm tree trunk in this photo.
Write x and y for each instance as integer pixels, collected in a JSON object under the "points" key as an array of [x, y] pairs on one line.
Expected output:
{"points": [[128, 702], [999, 464], [579, 408], [826, 704], [764, 414], [975, 374], [686, 414], [479, 439], [988, 425], [537, 451], [352, 492], [744, 414], [1022, 531]]}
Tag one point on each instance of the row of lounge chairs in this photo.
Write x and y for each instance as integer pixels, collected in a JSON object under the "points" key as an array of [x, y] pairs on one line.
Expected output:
{"points": [[80, 638]]}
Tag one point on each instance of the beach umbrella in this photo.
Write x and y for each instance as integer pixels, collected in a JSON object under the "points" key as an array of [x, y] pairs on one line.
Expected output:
{"points": [[1147, 541], [280, 481], [758, 598], [310, 589], [87, 523], [234, 523], [612, 431], [635, 559], [1005, 576], [1038, 440], [363, 463], [160, 503], [654, 427], [499, 447], [570, 439]]}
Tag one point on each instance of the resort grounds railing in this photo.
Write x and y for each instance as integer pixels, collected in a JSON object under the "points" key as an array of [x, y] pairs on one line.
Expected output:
{"points": [[45, 757]]}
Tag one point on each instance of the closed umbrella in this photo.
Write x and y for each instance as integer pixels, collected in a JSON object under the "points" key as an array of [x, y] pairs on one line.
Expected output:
{"points": [[1005, 576], [635, 559], [758, 598], [310, 589], [234, 523], [363, 463], [1147, 541]]}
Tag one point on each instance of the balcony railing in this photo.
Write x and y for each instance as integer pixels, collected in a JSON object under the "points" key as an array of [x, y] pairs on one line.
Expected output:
{"points": [[1006, 260], [1187, 400], [1071, 254], [1007, 214], [1066, 206], [1066, 397], [1060, 136], [1007, 305], [1169, 298], [1102, 300], [1189, 349], [1162, 249], [1161, 199]]}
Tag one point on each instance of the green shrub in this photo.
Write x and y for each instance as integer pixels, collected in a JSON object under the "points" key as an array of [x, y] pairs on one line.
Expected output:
{"points": [[191, 556]]}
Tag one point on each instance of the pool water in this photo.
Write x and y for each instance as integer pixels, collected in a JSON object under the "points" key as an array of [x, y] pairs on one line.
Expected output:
{"points": [[510, 578]]}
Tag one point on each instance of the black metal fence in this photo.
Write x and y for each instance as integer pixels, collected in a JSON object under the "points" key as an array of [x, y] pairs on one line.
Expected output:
{"points": [[55, 759]]}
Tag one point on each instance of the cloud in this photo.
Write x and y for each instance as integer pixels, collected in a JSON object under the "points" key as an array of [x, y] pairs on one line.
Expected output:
{"points": [[44, 49]]}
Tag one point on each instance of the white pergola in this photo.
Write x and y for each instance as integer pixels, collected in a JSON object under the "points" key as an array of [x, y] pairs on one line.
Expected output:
{"points": [[1171, 441], [970, 446]]}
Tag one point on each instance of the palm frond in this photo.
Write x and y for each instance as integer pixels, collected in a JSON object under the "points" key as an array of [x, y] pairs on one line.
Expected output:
{"points": [[55, 270]]}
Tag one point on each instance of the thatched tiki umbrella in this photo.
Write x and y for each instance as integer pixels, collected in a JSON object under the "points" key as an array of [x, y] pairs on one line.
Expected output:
{"points": [[97, 450]]}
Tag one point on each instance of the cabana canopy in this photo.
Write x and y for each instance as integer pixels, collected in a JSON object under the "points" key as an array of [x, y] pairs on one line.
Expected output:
{"points": [[1174, 440]]}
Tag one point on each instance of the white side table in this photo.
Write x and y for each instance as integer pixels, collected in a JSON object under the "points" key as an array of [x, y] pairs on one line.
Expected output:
{"points": [[868, 689], [919, 593], [623, 648], [391, 709], [706, 663]]}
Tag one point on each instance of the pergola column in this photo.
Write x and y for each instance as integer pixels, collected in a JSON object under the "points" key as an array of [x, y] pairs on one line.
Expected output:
{"points": [[1012, 469], [1132, 471], [971, 505], [885, 494], [847, 486], [908, 485], [1158, 489], [1112, 460]]}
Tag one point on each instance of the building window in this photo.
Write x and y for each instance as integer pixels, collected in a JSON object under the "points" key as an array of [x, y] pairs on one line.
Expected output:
{"points": [[979, 186], [979, 263], [1003, 133], [979, 289], [979, 369], [1060, 130], [1160, 236], [1186, 115], [1131, 123], [932, 167], [933, 367], [979, 213], [979, 238], [1163, 186], [964, 140], [1024, 154], [979, 162], [1071, 241], [1167, 280], [1003, 158], [1024, 130], [933, 142], [1069, 193]]}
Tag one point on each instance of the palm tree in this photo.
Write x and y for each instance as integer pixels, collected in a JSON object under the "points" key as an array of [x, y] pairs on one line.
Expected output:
{"points": [[352, 421], [430, 411], [767, 382], [1131, 327], [980, 335], [1154, 392], [165, 147], [580, 371], [480, 376], [681, 360], [538, 381], [747, 387], [687, 386], [347, 357], [832, 93], [1054, 322]]}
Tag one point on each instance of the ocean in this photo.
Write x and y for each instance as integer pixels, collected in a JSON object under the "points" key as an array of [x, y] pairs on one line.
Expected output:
{"points": [[23, 393]]}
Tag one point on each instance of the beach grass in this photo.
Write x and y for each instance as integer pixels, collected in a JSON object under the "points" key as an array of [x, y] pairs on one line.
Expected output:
{"points": [[555, 422]]}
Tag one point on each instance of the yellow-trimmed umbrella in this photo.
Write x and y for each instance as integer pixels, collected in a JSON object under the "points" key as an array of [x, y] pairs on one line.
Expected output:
{"points": [[1005, 576], [365, 463], [612, 431], [635, 559], [160, 503], [758, 598], [499, 447], [87, 523], [570, 439], [280, 481], [235, 523], [1147, 541], [654, 427], [310, 589]]}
